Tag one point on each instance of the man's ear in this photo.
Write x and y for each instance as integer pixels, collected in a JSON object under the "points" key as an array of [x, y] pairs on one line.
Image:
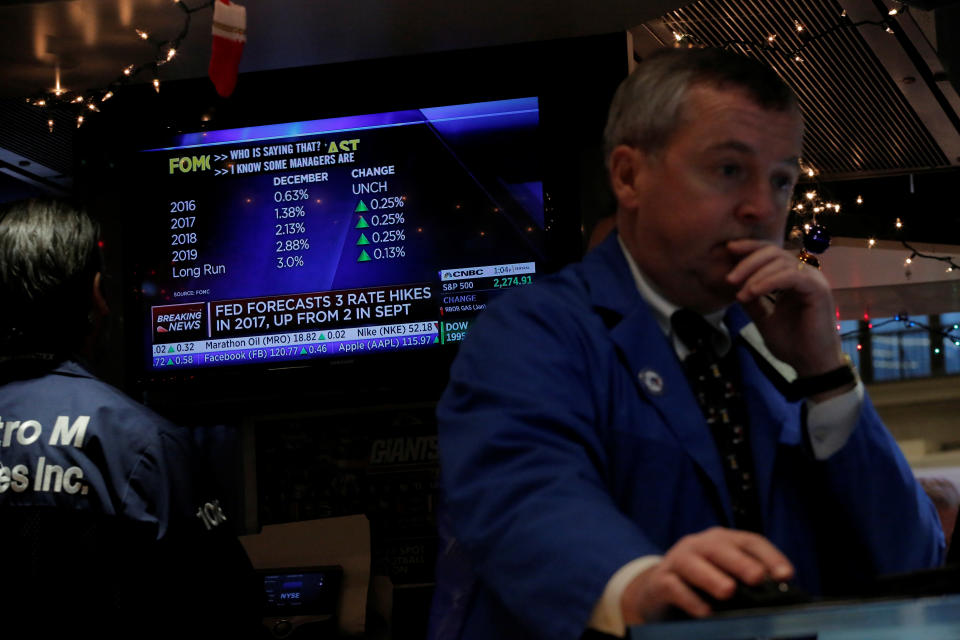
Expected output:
{"points": [[625, 163], [99, 302]]}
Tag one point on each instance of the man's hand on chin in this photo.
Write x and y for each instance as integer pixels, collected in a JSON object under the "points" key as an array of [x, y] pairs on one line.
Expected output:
{"points": [[791, 304]]}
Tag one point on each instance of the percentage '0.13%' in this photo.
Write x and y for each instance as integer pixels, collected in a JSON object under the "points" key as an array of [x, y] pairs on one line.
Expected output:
{"points": [[291, 195], [290, 262], [388, 253]]}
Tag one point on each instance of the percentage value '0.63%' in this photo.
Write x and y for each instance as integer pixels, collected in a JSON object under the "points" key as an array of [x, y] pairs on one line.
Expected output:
{"points": [[386, 253], [290, 262], [289, 212], [291, 195]]}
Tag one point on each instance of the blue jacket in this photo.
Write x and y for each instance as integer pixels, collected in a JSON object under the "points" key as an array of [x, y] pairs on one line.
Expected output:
{"points": [[559, 465], [73, 441], [81, 462]]}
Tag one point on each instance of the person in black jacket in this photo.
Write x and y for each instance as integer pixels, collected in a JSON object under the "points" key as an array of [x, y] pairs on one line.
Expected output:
{"points": [[110, 523]]}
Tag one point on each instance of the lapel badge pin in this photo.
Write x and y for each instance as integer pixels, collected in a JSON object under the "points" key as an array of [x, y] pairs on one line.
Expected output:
{"points": [[652, 381]]}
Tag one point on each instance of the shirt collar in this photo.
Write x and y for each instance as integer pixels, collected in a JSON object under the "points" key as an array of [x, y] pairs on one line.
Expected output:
{"points": [[662, 309]]}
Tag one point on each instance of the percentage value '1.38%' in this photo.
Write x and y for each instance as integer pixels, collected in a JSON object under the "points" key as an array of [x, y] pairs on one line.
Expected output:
{"points": [[289, 212]]}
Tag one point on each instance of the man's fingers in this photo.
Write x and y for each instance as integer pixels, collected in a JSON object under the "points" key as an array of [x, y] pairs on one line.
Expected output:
{"points": [[760, 255], [750, 558], [702, 572], [678, 594]]}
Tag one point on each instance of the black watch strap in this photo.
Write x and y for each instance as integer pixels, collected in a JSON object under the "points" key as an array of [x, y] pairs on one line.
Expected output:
{"points": [[834, 379]]}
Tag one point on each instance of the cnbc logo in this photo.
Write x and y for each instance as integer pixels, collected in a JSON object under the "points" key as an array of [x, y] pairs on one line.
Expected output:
{"points": [[189, 164]]}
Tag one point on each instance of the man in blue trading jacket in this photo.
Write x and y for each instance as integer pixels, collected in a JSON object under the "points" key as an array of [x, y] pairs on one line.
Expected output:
{"points": [[591, 479], [109, 524]]}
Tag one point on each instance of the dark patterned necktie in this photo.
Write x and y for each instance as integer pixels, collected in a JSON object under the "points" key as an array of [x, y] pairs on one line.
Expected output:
{"points": [[714, 381]]}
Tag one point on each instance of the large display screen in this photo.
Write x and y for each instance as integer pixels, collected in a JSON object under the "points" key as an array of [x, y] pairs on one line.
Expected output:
{"points": [[336, 237]]}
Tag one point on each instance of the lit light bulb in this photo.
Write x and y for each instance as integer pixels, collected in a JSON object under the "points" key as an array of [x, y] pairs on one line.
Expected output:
{"points": [[899, 224], [807, 227], [889, 30], [143, 34], [871, 242], [172, 52], [79, 121], [859, 199], [892, 12], [811, 172], [106, 96], [797, 59], [77, 100], [811, 195], [128, 70], [677, 36], [50, 125], [908, 261], [40, 103], [156, 85], [771, 38], [799, 27]]}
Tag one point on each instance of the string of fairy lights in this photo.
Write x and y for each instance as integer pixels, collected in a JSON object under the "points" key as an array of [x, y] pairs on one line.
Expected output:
{"points": [[951, 332], [82, 103]]}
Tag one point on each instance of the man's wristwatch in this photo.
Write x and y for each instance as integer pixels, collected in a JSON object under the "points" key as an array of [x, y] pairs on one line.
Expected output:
{"points": [[833, 379]]}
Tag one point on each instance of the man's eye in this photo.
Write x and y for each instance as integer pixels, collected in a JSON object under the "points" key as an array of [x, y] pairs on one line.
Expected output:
{"points": [[782, 183], [730, 170]]}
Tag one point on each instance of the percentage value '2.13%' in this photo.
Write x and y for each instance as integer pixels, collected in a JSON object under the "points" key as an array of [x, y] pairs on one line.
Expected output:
{"points": [[290, 262], [290, 229], [291, 195]]}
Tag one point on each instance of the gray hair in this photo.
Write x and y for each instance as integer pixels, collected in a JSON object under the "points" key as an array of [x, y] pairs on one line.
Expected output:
{"points": [[648, 105], [49, 254]]}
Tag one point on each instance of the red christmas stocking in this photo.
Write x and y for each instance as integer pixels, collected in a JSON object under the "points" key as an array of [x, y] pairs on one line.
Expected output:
{"points": [[229, 34]]}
